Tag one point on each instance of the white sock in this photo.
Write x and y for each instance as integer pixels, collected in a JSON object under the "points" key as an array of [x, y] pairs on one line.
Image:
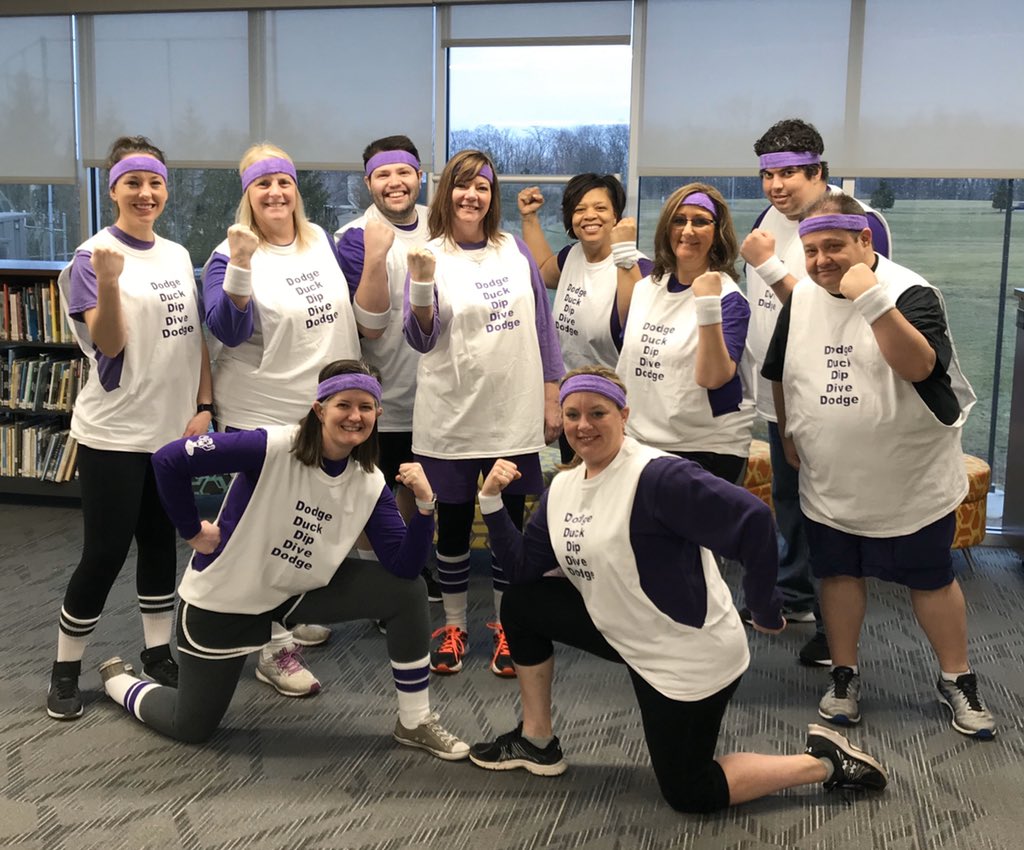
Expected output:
{"points": [[497, 605], [70, 648], [455, 605], [156, 628], [128, 691], [280, 638], [411, 680]]}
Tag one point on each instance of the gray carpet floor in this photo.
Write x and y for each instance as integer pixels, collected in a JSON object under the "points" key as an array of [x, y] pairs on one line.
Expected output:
{"points": [[325, 773]]}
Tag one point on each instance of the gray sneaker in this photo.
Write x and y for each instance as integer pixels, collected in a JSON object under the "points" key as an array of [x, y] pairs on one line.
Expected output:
{"points": [[841, 703], [851, 766], [968, 714], [431, 736]]}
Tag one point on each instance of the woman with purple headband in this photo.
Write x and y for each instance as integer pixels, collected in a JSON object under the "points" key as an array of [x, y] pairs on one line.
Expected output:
{"points": [[487, 381], [683, 344], [131, 298], [301, 496], [276, 297], [617, 561]]}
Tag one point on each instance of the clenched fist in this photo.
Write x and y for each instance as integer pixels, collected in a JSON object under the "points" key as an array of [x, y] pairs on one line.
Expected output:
{"points": [[421, 265], [242, 244], [857, 280], [378, 238], [530, 200], [624, 231], [709, 283], [108, 263], [758, 247]]}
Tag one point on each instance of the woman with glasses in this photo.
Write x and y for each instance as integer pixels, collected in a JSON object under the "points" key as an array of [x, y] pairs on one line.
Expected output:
{"points": [[682, 350]]}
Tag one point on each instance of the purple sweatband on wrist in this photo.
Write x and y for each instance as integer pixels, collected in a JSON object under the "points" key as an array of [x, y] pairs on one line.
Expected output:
{"points": [[833, 222], [781, 159], [699, 199], [592, 384], [349, 381], [486, 173], [138, 162], [271, 165], [390, 158]]}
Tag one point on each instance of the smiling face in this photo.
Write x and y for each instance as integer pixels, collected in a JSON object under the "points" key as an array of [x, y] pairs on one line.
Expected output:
{"points": [[272, 198], [140, 197], [691, 235], [394, 189], [594, 427], [830, 253], [471, 199], [789, 188], [347, 419], [594, 217]]}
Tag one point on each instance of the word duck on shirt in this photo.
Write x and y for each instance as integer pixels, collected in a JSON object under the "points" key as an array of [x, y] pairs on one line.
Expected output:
{"points": [[495, 293], [172, 296], [308, 524], [573, 534], [566, 320], [318, 308], [838, 390]]}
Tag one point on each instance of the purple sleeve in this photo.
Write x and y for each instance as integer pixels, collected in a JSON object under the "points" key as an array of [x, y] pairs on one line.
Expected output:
{"points": [[879, 235], [351, 253], [83, 295], [547, 336], [411, 328], [562, 255], [678, 502], [225, 321], [402, 551], [353, 283], [735, 320], [177, 463], [617, 327], [523, 555]]}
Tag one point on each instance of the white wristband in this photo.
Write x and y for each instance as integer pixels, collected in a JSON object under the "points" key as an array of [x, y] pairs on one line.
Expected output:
{"points": [[625, 254], [874, 303], [238, 281], [372, 321], [421, 293], [427, 504], [772, 270], [709, 309], [490, 504]]}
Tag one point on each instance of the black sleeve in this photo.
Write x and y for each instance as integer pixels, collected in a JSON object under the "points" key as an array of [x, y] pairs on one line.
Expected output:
{"points": [[921, 307], [775, 358]]}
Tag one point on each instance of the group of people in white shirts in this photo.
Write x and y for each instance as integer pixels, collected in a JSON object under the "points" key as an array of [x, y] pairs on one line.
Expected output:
{"points": [[363, 383]]}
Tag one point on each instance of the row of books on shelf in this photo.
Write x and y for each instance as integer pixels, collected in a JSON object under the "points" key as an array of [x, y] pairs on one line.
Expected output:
{"points": [[41, 382], [32, 313], [37, 449]]}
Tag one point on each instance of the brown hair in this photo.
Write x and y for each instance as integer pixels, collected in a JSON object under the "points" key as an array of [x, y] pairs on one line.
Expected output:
{"points": [[724, 248], [462, 168], [305, 233], [838, 203], [308, 447], [600, 371]]}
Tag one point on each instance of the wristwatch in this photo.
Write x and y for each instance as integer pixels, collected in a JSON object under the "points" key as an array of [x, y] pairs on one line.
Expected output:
{"points": [[205, 408]]}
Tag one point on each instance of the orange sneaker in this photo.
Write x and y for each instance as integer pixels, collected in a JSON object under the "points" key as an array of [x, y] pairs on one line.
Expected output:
{"points": [[501, 662], [451, 643]]}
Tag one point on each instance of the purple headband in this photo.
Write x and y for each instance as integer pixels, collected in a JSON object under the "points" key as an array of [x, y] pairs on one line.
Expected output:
{"points": [[139, 162], [486, 173], [592, 384], [349, 381], [390, 158], [271, 165], [699, 199], [833, 222], [783, 158]]}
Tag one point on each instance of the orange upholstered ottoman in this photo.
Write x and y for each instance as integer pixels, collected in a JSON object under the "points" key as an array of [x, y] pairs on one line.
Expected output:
{"points": [[970, 516], [758, 479]]}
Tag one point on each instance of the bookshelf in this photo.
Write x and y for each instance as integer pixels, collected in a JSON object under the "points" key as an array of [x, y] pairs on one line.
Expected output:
{"points": [[41, 372]]}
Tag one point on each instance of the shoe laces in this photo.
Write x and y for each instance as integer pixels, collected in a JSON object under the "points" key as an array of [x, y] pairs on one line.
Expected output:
{"points": [[453, 640], [65, 686], [841, 678], [433, 723], [500, 641], [289, 660], [968, 686]]}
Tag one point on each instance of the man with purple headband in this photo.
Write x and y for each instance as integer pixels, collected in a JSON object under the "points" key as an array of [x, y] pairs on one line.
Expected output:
{"points": [[373, 248], [276, 554], [793, 176], [870, 402], [617, 561]]}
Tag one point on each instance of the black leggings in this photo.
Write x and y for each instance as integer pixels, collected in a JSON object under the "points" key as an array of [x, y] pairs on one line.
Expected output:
{"points": [[681, 736], [359, 590], [455, 523], [120, 502]]}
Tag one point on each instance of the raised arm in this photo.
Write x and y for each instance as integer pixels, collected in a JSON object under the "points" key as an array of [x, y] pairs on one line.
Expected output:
{"points": [[105, 320], [720, 336], [371, 295], [227, 288], [403, 550], [530, 200]]}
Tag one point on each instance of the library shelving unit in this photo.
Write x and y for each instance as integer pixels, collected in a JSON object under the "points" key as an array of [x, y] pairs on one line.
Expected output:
{"points": [[42, 370]]}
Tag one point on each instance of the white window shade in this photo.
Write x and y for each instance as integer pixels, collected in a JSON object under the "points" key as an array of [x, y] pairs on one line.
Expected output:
{"points": [[511, 21], [718, 73], [339, 78], [181, 79], [37, 133], [942, 89]]}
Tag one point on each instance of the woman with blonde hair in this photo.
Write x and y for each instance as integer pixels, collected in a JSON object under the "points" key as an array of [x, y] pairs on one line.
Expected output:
{"points": [[487, 380], [682, 351], [277, 300]]}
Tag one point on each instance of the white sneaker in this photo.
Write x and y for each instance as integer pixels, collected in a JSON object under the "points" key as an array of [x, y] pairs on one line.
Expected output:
{"points": [[287, 673], [310, 634]]}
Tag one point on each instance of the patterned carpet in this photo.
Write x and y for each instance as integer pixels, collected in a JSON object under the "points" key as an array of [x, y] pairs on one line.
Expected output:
{"points": [[325, 773]]}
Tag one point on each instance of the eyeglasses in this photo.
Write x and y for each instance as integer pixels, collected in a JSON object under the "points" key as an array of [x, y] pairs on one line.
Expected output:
{"points": [[697, 222]]}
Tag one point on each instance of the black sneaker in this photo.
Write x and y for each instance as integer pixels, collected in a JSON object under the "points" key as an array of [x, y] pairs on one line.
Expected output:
{"points": [[433, 588], [852, 767], [512, 750], [815, 653], [158, 666], [746, 616], [64, 700]]}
